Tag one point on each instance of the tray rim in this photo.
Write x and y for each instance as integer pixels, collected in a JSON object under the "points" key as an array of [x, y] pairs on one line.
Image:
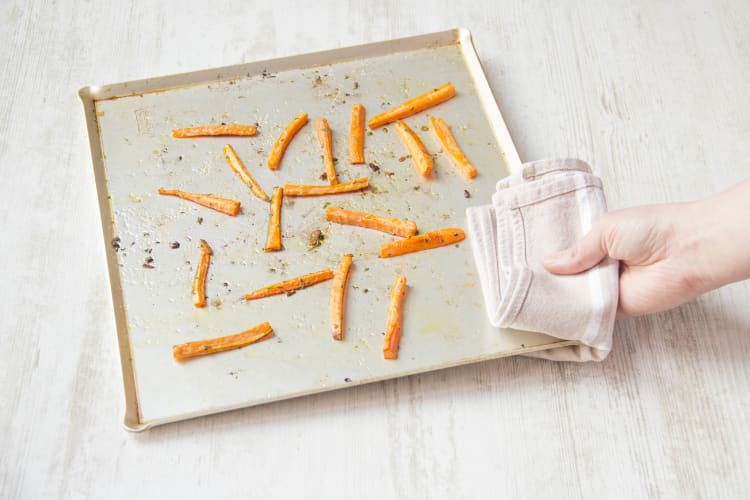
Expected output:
{"points": [[90, 95]]}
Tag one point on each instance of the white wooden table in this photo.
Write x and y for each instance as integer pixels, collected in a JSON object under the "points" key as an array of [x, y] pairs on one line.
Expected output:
{"points": [[654, 94]]}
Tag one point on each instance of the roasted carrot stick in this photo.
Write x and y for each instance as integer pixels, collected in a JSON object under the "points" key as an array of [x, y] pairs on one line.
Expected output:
{"points": [[273, 239], [444, 137], [338, 294], [398, 227], [209, 130], [235, 164], [223, 205], [412, 106], [199, 281], [419, 156], [357, 135], [182, 352], [344, 187], [291, 285], [274, 160], [433, 239], [393, 326], [323, 131]]}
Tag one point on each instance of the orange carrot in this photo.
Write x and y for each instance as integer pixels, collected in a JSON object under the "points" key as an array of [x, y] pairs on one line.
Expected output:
{"points": [[393, 326], [291, 285], [235, 164], [344, 187], [182, 352], [357, 135], [338, 294], [199, 281], [273, 238], [398, 227], [446, 140], [323, 132], [223, 205], [419, 156], [274, 160], [433, 239], [412, 106], [210, 130]]}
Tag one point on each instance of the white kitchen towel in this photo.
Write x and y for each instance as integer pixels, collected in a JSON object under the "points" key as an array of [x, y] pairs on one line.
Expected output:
{"points": [[543, 208]]}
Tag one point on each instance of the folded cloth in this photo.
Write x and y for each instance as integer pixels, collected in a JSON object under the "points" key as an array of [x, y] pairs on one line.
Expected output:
{"points": [[543, 208]]}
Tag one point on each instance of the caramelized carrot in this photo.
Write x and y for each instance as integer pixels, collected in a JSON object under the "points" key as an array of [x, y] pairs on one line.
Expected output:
{"points": [[223, 205], [274, 159], [291, 285], [199, 281], [323, 131], [412, 106], [235, 164], [397, 227], [344, 187], [419, 156], [446, 140], [433, 239], [393, 326], [273, 238], [212, 130], [338, 294], [182, 352], [357, 135]]}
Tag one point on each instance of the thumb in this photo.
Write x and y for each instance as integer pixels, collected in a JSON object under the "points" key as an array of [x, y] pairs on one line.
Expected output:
{"points": [[584, 255]]}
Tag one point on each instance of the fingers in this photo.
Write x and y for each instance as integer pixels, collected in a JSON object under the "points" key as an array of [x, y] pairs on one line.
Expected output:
{"points": [[584, 255]]}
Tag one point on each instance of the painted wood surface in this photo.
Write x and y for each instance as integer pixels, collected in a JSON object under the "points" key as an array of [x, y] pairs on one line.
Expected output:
{"points": [[653, 94]]}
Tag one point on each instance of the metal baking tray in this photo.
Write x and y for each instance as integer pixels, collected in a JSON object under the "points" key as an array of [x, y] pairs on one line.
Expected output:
{"points": [[133, 154]]}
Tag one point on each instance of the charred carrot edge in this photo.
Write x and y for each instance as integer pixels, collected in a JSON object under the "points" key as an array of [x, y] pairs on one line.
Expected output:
{"points": [[199, 281], [412, 106], [182, 352], [433, 239], [397, 227], [443, 135], [223, 205], [338, 294], [344, 187], [357, 135], [273, 238], [236, 164], [291, 285], [419, 156], [323, 131], [213, 130], [393, 326], [274, 159]]}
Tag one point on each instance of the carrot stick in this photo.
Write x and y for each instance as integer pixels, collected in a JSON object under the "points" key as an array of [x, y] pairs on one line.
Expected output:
{"points": [[199, 281], [235, 164], [323, 131], [223, 205], [291, 285], [273, 238], [446, 140], [274, 160], [397, 227], [393, 326], [182, 352], [433, 239], [338, 293], [344, 187], [210, 130], [357, 135], [419, 156], [412, 106]]}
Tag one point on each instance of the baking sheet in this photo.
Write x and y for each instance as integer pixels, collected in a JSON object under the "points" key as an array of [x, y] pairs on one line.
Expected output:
{"points": [[134, 154]]}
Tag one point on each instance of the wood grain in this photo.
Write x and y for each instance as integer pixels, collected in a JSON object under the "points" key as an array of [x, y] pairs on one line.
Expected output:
{"points": [[653, 94]]}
